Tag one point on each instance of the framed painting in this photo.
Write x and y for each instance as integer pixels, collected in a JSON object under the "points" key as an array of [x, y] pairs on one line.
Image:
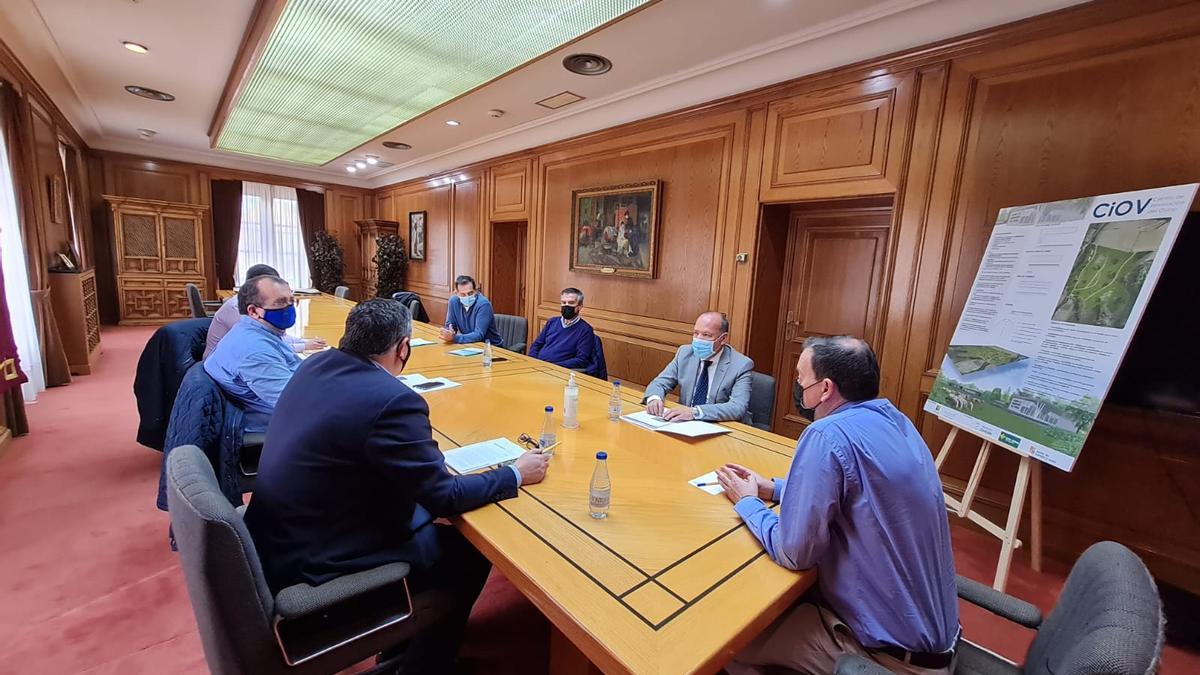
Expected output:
{"points": [[416, 235], [614, 229]]}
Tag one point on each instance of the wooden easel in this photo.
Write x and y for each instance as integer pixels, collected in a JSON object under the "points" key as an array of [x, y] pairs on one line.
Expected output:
{"points": [[1029, 470]]}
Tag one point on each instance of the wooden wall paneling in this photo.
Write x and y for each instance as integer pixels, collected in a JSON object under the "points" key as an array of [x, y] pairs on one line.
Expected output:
{"points": [[465, 226], [342, 209], [56, 233], [745, 283], [431, 278], [509, 193], [847, 140]]}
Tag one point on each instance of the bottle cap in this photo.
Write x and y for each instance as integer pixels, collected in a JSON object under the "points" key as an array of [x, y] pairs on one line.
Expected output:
{"points": [[616, 382], [549, 408], [602, 455]]}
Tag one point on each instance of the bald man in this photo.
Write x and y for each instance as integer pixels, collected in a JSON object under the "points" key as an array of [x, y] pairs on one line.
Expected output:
{"points": [[713, 378]]}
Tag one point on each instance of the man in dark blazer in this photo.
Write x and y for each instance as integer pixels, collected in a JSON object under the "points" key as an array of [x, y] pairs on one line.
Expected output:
{"points": [[351, 478]]}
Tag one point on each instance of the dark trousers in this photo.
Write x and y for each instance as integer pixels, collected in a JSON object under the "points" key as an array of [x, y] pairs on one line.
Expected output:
{"points": [[458, 573]]}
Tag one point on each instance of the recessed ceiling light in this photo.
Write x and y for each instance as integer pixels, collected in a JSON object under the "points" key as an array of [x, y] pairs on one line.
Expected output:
{"points": [[360, 164], [396, 145], [587, 64], [495, 112], [452, 123], [146, 133], [372, 160], [135, 47], [351, 168], [147, 92]]}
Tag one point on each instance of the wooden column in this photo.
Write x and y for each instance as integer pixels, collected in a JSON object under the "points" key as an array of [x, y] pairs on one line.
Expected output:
{"points": [[369, 231]]}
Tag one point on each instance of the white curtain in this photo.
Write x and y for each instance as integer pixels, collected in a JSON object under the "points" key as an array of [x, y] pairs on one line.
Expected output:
{"points": [[270, 233], [16, 283]]}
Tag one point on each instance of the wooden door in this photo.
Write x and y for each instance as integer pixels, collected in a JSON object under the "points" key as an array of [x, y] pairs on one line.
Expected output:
{"points": [[833, 285], [507, 292]]}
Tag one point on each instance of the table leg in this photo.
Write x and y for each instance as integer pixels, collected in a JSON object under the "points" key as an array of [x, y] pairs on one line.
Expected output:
{"points": [[565, 657]]}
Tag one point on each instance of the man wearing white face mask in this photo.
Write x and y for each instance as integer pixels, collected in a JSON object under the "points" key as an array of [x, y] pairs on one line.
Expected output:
{"points": [[713, 378]]}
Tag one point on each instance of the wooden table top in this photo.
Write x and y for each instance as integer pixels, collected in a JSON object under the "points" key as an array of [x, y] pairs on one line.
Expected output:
{"points": [[671, 581]]}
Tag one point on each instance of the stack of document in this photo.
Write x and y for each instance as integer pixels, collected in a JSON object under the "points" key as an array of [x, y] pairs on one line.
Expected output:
{"points": [[483, 455], [691, 428], [467, 351], [424, 385]]}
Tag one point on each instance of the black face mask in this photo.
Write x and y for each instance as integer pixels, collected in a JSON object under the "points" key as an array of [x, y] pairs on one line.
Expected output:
{"points": [[798, 399], [569, 312]]}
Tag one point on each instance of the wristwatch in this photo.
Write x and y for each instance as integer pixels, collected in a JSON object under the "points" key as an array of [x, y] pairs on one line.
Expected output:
{"points": [[697, 413]]}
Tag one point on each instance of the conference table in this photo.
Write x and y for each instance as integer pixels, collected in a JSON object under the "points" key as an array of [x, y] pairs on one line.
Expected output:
{"points": [[671, 581]]}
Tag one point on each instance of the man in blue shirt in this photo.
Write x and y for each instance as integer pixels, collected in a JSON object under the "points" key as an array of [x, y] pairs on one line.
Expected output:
{"points": [[863, 504], [567, 340], [469, 315], [253, 362]]}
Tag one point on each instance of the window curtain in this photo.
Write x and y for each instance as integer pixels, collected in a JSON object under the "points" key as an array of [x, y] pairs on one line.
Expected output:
{"points": [[270, 233], [55, 370], [227, 224], [312, 218]]}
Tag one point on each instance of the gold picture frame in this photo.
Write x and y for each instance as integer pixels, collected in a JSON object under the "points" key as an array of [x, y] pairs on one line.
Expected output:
{"points": [[614, 229]]}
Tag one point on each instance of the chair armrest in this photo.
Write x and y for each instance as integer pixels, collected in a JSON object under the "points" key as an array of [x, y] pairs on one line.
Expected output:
{"points": [[1000, 604], [518, 348], [853, 664], [302, 600]]}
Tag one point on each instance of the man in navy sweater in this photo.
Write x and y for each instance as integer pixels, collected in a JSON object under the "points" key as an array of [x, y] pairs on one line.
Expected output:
{"points": [[469, 316], [567, 340]]}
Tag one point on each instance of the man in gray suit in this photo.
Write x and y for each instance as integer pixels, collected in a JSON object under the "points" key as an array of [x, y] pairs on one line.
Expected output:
{"points": [[713, 378]]}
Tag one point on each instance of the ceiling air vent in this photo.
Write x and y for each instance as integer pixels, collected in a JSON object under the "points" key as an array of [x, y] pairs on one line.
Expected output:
{"points": [[587, 64], [559, 100]]}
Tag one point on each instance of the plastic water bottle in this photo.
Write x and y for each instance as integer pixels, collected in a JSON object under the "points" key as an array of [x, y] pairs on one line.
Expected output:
{"points": [[487, 354], [548, 437], [614, 401], [600, 491], [571, 404]]}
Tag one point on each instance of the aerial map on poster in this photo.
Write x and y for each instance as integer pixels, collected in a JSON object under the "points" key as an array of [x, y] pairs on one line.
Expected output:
{"points": [[1058, 296]]}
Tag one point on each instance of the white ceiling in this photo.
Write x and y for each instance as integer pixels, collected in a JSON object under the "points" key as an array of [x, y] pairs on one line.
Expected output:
{"points": [[671, 55]]}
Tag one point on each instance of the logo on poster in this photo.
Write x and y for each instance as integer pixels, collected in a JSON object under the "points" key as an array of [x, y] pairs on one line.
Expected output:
{"points": [[1106, 209]]}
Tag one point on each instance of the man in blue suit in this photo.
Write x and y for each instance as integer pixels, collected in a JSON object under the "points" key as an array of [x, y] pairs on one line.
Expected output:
{"points": [[469, 315], [351, 479]]}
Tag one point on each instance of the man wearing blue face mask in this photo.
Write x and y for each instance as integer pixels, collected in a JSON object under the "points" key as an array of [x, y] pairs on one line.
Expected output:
{"points": [[253, 363], [469, 315], [713, 378]]}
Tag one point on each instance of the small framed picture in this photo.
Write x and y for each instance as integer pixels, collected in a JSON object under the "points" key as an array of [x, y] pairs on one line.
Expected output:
{"points": [[416, 235]]}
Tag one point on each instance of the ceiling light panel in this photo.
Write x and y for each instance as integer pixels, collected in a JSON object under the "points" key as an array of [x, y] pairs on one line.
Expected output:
{"points": [[337, 73]]}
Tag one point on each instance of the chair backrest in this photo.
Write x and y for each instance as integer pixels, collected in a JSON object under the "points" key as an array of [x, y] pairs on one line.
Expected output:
{"points": [[762, 400], [341, 291], [513, 329], [230, 598], [196, 302], [164, 361], [413, 302], [599, 366], [1108, 618]]}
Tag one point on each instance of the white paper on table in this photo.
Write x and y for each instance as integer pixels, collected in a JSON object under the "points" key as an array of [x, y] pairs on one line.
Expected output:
{"points": [[645, 420], [711, 486], [483, 455], [694, 429], [420, 342], [412, 379], [306, 291], [433, 384], [467, 351]]}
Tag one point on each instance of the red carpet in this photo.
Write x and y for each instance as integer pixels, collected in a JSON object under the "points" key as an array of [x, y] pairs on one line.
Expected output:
{"points": [[89, 584]]}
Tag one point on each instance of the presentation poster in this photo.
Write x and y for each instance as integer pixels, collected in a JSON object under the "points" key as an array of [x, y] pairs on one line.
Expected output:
{"points": [[1058, 296]]}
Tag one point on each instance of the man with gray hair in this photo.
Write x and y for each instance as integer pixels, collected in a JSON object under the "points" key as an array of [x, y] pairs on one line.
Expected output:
{"points": [[863, 504], [713, 378], [566, 340], [351, 479]]}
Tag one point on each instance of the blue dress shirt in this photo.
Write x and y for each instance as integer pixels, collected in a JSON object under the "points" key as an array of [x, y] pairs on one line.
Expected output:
{"points": [[863, 504], [252, 364]]}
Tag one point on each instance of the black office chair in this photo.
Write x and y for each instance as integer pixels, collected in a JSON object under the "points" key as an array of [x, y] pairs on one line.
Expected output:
{"points": [[413, 302], [300, 630], [762, 400], [200, 307], [1108, 620], [514, 330]]}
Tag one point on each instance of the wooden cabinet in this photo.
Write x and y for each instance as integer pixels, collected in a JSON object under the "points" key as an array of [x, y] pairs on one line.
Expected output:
{"points": [[78, 317], [158, 249]]}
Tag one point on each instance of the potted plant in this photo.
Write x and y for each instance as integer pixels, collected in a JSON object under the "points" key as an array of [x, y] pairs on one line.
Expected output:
{"points": [[391, 263], [327, 267]]}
